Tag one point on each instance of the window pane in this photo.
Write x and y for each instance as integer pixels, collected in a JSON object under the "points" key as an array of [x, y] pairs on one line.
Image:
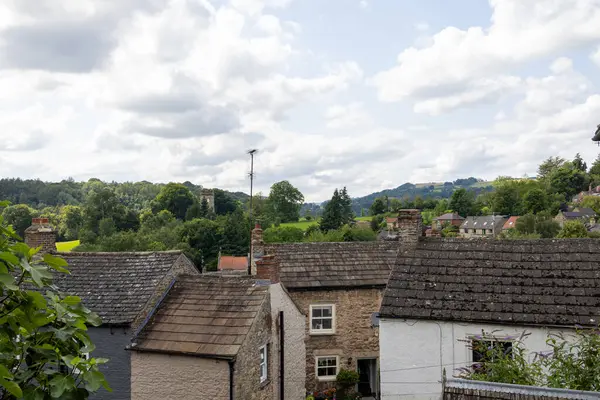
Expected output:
{"points": [[317, 324], [317, 312], [327, 323], [331, 371], [327, 312]]}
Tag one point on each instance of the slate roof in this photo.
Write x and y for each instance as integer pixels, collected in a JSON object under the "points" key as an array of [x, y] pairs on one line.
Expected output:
{"points": [[586, 212], [449, 217], [573, 215], [483, 222], [115, 285], [334, 265], [204, 316], [529, 282]]}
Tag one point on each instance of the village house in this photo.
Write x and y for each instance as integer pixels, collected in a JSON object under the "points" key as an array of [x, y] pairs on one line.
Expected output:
{"points": [[511, 223], [391, 223], [121, 288], [220, 337], [338, 288], [484, 226], [445, 295], [447, 219], [583, 214]]}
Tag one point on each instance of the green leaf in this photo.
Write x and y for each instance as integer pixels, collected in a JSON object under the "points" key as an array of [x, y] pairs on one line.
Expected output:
{"points": [[60, 384], [11, 387], [56, 263], [37, 299], [21, 248], [4, 373], [8, 281], [9, 258], [33, 393], [71, 300], [93, 381], [38, 273], [94, 319]]}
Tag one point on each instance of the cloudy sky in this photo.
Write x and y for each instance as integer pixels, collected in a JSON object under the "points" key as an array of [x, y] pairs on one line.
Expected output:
{"points": [[363, 93]]}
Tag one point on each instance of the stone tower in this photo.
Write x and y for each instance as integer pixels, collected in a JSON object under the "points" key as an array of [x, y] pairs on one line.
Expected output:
{"points": [[209, 195]]}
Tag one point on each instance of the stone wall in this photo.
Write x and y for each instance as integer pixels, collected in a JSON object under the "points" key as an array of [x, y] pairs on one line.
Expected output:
{"points": [[165, 377], [294, 346], [247, 365], [354, 336]]}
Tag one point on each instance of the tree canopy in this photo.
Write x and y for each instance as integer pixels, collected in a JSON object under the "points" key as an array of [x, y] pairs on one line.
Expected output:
{"points": [[284, 202]]}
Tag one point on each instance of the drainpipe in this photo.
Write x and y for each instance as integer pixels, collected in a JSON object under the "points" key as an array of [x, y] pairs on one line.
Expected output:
{"points": [[231, 371], [281, 357]]}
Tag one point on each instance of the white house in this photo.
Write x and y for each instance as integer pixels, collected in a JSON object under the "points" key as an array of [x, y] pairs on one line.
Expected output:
{"points": [[444, 294]]}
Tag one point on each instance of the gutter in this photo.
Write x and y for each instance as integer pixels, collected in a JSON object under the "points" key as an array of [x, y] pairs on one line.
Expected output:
{"points": [[231, 374]]}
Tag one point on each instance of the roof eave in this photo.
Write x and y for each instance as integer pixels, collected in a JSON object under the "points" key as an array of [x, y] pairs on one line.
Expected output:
{"points": [[476, 321], [181, 353]]}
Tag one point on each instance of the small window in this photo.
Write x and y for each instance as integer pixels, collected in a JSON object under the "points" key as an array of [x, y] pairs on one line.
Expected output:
{"points": [[322, 319], [466, 230], [327, 368], [264, 368]]}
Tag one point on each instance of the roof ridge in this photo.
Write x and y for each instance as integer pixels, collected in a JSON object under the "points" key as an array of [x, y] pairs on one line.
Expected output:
{"points": [[88, 253]]}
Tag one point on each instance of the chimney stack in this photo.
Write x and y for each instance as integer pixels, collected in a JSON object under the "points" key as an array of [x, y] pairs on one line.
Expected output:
{"points": [[268, 268], [41, 233], [257, 247], [410, 227]]}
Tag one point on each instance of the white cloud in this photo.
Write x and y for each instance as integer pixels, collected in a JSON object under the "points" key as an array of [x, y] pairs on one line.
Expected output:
{"points": [[351, 115], [595, 56], [422, 26], [520, 31]]}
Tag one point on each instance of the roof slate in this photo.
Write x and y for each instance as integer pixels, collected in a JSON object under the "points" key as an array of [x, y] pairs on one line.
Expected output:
{"points": [[535, 282], [449, 217], [115, 285], [204, 316], [334, 265], [483, 222]]}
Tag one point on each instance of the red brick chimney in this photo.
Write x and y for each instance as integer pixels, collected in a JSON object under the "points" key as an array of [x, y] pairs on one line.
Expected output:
{"points": [[41, 233], [268, 268]]}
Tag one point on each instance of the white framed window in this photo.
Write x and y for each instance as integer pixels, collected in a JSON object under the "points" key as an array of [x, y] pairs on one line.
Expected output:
{"points": [[264, 367], [322, 319], [327, 367]]}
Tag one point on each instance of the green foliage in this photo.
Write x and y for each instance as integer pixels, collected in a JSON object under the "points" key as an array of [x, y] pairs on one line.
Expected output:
{"points": [[548, 167], [284, 202], [541, 224], [224, 202], [379, 206], [345, 381], [535, 201], [377, 223], [573, 363], [568, 180], [449, 230], [71, 221], [358, 234], [283, 234], [462, 202], [573, 229], [592, 202], [175, 198], [579, 164], [337, 211], [19, 216], [41, 330]]}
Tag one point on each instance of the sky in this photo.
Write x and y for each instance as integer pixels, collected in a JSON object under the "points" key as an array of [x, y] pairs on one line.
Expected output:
{"points": [[366, 94]]}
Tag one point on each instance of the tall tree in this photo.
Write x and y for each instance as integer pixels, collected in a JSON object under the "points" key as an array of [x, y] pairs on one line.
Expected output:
{"points": [[42, 331], [535, 201], [284, 202], [378, 207], [549, 165], [507, 201], [224, 203], [462, 202], [579, 164], [568, 180], [346, 201], [19, 216], [332, 217], [176, 198]]}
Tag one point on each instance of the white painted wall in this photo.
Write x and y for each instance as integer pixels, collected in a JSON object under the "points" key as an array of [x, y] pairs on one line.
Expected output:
{"points": [[295, 347], [414, 353]]}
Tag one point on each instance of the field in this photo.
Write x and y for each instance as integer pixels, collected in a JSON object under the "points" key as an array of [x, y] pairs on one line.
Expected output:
{"points": [[67, 246], [304, 224]]}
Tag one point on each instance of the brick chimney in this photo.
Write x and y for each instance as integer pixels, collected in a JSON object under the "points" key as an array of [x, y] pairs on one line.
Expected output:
{"points": [[268, 268], [41, 233], [410, 227], [257, 249]]}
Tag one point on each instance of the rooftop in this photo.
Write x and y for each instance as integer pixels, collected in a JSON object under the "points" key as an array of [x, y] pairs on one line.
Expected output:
{"points": [[233, 263], [511, 223], [204, 316], [449, 217], [334, 265], [527, 282], [115, 285], [483, 222]]}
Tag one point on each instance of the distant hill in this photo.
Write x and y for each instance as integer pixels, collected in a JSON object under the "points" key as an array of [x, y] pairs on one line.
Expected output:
{"points": [[408, 191]]}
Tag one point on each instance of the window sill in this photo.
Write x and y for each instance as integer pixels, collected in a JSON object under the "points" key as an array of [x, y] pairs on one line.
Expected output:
{"points": [[265, 383], [319, 333], [326, 378]]}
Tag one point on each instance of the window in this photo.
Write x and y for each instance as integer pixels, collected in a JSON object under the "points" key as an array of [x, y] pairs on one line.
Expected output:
{"points": [[322, 319], [484, 350], [264, 370], [327, 368], [466, 230]]}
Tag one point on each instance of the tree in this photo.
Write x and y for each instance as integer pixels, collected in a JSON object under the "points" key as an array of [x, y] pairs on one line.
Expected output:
{"points": [[507, 201], [573, 229], [284, 202], [43, 334], [71, 222], [595, 171], [283, 234], [535, 201], [592, 202], [19, 216], [235, 233], [379, 206], [568, 180], [332, 218], [579, 164], [549, 165], [224, 203], [346, 203], [462, 202], [176, 198]]}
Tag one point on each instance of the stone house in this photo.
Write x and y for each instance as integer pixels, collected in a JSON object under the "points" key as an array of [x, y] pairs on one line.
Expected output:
{"points": [[584, 216], [447, 219], [484, 226], [121, 288], [220, 338], [391, 223], [445, 295], [338, 288]]}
